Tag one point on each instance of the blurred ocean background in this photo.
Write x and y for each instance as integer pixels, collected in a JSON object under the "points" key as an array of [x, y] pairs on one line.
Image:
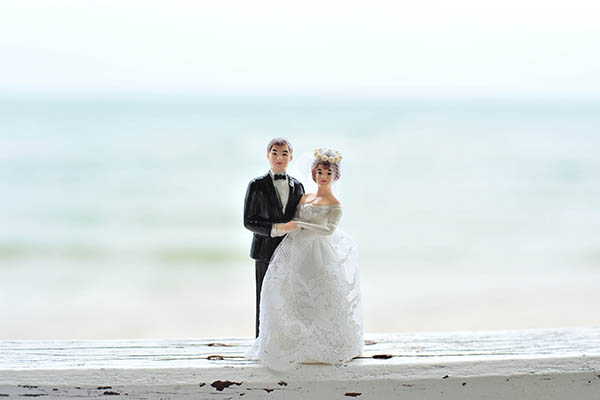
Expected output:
{"points": [[129, 132], [121, 216]]}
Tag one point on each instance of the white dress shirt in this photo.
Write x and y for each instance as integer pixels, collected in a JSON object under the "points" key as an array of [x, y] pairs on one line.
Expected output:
{"points": [[282, 187]]}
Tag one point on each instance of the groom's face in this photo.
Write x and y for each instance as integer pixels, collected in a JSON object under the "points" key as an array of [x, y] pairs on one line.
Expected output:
{"points": [[279, 157]]}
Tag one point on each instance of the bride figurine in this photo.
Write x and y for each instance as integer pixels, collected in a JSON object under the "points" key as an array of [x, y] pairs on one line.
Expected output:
{"points": [[311, 310]]}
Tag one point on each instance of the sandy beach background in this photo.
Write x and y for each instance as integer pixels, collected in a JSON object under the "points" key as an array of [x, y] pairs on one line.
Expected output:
{"points": [[122, 216]]}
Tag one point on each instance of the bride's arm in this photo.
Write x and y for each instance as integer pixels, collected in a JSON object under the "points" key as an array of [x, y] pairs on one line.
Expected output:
{"points": [[335, 214]]}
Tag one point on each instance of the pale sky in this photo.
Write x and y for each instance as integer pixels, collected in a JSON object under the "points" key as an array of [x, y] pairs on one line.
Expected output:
{"points": [[423, 48]]}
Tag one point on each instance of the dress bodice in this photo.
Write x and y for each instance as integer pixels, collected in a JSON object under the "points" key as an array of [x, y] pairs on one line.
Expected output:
{"points": [[315, 214], [322, 219]]}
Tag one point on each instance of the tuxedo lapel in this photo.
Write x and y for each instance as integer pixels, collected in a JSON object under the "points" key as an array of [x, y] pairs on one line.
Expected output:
{"points": [[274, 196], [289, 210]]}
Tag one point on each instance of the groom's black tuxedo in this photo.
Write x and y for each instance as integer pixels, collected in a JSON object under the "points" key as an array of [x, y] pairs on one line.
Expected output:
{"points": [[263, 209]]}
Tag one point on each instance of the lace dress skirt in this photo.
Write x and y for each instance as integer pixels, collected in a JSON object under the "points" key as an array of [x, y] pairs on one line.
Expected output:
{"points": [[311, 308]]}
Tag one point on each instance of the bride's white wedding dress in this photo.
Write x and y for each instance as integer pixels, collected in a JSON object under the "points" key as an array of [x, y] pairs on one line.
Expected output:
{"points": [[311, 308]]}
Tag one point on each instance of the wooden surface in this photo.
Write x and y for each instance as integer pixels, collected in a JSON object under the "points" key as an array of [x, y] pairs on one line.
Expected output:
{"points": [[527, 364]]}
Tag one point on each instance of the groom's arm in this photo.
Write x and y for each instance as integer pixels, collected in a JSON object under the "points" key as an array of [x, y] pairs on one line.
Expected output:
{"points": [[252, 220]]}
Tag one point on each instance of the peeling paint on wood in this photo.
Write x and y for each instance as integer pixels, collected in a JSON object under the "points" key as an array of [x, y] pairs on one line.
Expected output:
{"points": [[220, 385], [382, 356], [532, 364]]}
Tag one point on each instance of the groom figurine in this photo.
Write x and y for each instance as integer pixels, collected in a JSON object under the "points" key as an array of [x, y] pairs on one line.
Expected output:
{"points": [[270, 200]]}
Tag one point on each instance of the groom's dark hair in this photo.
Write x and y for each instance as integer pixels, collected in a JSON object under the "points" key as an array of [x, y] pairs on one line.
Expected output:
{"points": [[279, 141]]}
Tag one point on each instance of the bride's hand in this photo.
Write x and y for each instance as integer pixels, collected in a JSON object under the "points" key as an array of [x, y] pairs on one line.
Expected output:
{"points": [[288, 226]]}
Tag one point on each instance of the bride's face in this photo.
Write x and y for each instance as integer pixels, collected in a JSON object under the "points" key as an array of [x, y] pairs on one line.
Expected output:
{"points": [[324, 175]]}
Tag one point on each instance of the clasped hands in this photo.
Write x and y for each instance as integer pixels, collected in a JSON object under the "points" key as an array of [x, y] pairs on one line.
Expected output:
{"points": [[288, 226]]}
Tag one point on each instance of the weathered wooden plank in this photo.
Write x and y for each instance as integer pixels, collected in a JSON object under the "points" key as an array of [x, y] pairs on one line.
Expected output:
{"points": [[543, 363]]}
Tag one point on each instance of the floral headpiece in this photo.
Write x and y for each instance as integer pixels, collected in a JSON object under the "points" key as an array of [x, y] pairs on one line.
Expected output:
{"points": [[329, 155]]}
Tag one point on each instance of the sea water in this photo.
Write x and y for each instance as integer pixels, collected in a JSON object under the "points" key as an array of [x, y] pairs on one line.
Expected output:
{"points": [[122, 216]]}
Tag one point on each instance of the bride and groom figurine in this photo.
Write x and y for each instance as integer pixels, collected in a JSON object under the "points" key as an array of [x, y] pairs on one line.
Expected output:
{"points": [[308, 302]]}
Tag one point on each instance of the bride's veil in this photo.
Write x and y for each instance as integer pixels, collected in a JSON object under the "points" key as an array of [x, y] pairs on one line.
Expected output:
{"points": [[301, 170]]}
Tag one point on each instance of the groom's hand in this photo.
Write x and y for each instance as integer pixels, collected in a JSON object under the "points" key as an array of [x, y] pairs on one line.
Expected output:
{"points": [[288, 226]]}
